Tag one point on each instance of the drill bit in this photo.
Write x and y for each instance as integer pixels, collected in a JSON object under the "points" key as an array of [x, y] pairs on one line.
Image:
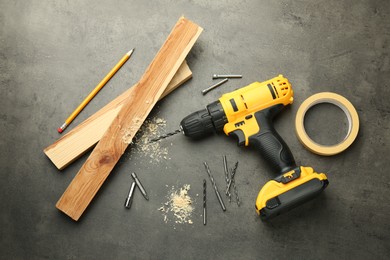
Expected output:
{"points": [[225, 168], [233, 172], [236, 192], [164, 136], [216, 76], [204, 202], [215, 186], [139, 184], [214, 86], [231, 180]]}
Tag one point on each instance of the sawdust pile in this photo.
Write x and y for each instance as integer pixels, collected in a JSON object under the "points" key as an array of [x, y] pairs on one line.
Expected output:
{"points": [[179, 206], [150, 129]]}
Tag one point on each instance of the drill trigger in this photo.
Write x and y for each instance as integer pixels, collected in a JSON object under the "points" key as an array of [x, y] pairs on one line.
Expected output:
{"points": [[239, 134]]}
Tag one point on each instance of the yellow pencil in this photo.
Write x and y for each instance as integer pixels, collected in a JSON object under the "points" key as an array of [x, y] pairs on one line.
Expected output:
{"points": [[95, 91]]}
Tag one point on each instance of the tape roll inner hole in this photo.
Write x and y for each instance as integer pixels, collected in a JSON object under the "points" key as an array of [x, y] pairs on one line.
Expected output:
{"points": [[327, 122]]}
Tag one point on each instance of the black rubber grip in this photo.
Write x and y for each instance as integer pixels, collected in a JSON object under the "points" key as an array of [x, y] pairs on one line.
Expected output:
{"points": [[272, 147]]}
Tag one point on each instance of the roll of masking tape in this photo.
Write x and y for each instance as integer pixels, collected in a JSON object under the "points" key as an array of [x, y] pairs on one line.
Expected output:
{"points": [[341, 102]]}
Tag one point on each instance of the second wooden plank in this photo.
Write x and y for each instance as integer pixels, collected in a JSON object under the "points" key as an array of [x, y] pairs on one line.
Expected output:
{"points": [[113, 144]]}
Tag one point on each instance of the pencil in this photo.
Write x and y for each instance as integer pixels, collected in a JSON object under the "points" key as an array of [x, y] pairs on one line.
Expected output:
{"points": [[95, 91]]}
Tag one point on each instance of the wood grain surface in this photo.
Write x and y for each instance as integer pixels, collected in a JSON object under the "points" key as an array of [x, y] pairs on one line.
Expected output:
{"points": [[84, 136]]}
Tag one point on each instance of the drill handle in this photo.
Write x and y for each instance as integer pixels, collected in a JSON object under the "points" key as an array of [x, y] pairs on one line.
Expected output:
{"points": [[270, 144]]}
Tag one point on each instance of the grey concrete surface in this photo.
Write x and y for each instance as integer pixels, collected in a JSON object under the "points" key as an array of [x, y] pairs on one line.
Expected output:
{"points": [[52, 53]]}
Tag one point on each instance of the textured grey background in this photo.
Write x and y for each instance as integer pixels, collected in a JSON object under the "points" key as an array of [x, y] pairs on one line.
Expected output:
{"points": [[52, 53]]}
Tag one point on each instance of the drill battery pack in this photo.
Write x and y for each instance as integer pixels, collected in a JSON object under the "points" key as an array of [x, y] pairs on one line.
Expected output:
{"points": [[289, 190]]}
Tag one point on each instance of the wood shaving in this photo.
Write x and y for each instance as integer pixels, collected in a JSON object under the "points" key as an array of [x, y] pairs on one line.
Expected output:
{"points": [[154, 151], [179, 206]]}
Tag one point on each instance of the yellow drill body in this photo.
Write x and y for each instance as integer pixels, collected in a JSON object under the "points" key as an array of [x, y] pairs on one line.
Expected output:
{"points": [[251, 99], [247, 114]]}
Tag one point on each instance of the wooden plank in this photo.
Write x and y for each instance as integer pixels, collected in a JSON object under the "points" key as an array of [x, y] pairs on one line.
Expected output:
{"points": [[134, 111], [83, 137]]}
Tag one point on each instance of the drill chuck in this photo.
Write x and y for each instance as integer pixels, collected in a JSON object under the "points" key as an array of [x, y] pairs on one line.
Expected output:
{"points": [[197, 124], [205, 121]]}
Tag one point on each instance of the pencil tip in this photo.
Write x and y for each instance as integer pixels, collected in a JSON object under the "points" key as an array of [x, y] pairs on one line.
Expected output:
{"points": [[130, 52]]}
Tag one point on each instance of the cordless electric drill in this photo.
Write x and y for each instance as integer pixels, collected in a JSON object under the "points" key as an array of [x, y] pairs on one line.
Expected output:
{"points": [[247, 114]]}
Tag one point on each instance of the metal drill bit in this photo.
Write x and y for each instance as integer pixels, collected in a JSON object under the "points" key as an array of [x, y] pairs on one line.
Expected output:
{"points": [[129, 198], [236, 192], [229, 194], [204, 203], [215, 186], [164, 136], [139, 184], [216, 76], [227, 174], [233, 172], [225, 168], [214, 86]]}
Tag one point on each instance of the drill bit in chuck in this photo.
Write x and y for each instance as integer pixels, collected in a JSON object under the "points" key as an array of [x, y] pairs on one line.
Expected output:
{"points": [[164, 136]]}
